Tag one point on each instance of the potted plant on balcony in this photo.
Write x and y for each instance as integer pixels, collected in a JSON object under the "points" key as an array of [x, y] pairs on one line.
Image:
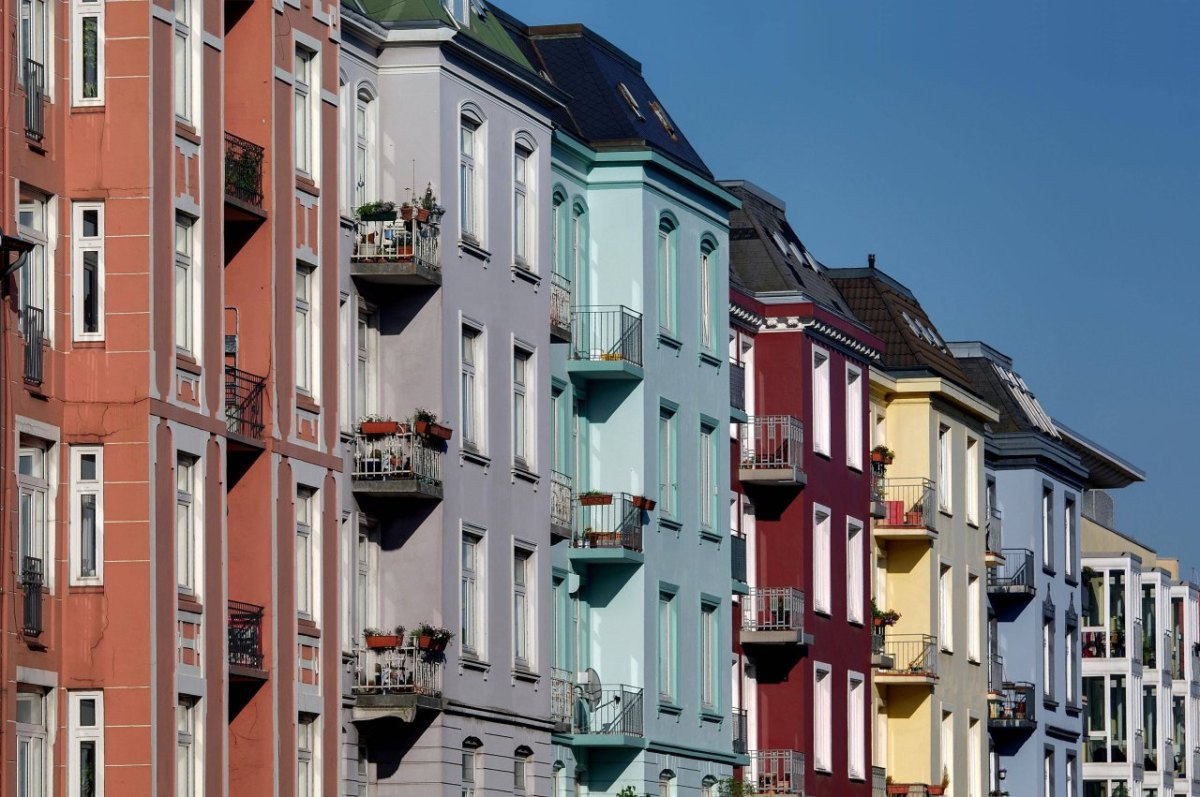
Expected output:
{"points": [[376, 211], [595, 498], [431, 638], [378, 639], [881, 618], [377, 426], [882, 455], [945, 784], [642, 502], [428, 209], [426, 425]]}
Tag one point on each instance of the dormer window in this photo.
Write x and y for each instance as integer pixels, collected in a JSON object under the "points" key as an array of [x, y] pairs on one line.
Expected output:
{"points": [[460, 10], [633, 104], [664, 120]]}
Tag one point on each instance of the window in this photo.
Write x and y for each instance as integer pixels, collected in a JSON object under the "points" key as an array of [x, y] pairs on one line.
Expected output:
{"points": [[363, 771], [666, 783], [365, 579], [1072, 774], [709, 635], [364, 149], [32, 291], [708, 283], [1048, 527], [1070, 547], [523, 237], [708, 786], [472, 421], [186, 284], [522, 763], [472, 622], [945, 469], [948, 747], [87, 515], [855, 586], [85, 752], [667, 243], [854, 417], [33, 487], [822, 565], [522, 429], [974, 757], [709, 492], [184, 67], [306, 518], [87, 270], [1048, 772], [972, 486], [856, 728], [1048, 658], [187, 526], [668, 463], [305, 331], [974, 609], [469, 766], [946, 608], [303, 126], [33, 746], [823, 717], [366, 348], [667, 647], [470, 189], [34, 32], [523, 630], [1070, 654], [821, 419], [87, 52], [307, 756]]}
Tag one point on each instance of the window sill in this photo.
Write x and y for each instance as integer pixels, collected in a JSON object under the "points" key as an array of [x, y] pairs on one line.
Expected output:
{"points": [[973, 523], [526, 273], [349, 222], [307, 627], [189, 604], [86, 109], [306, 184], [185, 362], [528, 676], [711, 359], [306, 403], [666, 706], [670, 341], [523, 473], [711, 535], [90, 588], [186, 131], [948, 512], [669, 524], [469, 662], [1049, 703], [1073, 710], [475, 457], [710, 714], [1071, 579], [472, 247], [88, 343], [1048, 569], [973, 660]]}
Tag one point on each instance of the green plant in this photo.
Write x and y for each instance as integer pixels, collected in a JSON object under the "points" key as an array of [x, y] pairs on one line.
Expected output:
{"points": [[434, 632], [374, 632], [593, 492], [732, 787], [945, 778], [429, 200], [371, 208], [888, 617], [884, 452], [425, 415]]}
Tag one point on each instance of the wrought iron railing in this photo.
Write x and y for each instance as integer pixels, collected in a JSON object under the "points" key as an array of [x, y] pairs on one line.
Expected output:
{"points": [[909, 789], [878, 782], [777, 772], [397, 241], [603, 333], [1013, 706], [396, 671], [615, 524], [560, 301], [913, 654], [995, 673], [737, 386], [773, 609], [877, 642], [32, 578], [243, 170], [35, 93], [244, 402], [770, 442], [909, 504], [562, 697], [737, 557], [401, 456], [878, 483], [561, 505], [1015, 575], [34, 329], [245, 635], [995, 524], [741, 730], [609, 710]]}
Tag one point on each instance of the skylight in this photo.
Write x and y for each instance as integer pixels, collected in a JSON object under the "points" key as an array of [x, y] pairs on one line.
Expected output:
{"points": [[633, 104], [1028, 402], [662, 118]]}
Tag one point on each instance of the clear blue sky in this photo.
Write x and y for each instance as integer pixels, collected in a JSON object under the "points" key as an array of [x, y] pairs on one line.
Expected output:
{"points": [[1029, 170]]}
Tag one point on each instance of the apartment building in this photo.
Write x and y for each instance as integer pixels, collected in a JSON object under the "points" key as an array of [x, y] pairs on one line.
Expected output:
{"points": [[801, 508], [1034, 488], [639, 386], [446, 364], [169, 393], [929, 530]]}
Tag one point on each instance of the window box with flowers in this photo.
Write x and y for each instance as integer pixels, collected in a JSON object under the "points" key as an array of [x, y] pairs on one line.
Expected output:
{"points": [[425, 424], [431, 638], [883, 618], [377, 426], [595, 498], [378, 639]]}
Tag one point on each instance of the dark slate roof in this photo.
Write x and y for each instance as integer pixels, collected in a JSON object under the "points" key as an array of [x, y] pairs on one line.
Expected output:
{"points": [[894, 314], [486, 27], [992, 377], [591, 70], [1105, 469], [765, 253]]}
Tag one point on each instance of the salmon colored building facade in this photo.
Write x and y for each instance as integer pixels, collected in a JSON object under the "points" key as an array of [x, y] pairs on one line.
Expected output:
{"points": [[168, 377]]}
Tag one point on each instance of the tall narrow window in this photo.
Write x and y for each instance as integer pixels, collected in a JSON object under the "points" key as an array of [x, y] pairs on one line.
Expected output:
{"points": [[307, 764], [302, 107], [946, 608], [33, 488], [1048, 772], [469, 178], [975, 610], [855, 587], [183, 88], [522, 428], [667, 647], [472, 622], [945, 470], [85, 755], [822, 561], [666, 275], [1048, 658], [856, 727], [972, 485], [1070, 544], [305, 551], [87, 265], [708, 281], [304, 331], [1072, 774], [821, 414], [668, 459], [467, 775], [365, 579], [709, 492], [365, 366], [186, 527], [87, 514], [87, 52], [522, 762], [709, 634], [32, 294], [32, 42], [1048, 527], [185, 285], [974, 757], [854, 417], [469, 397], [948, 747], [33, 746], [364, 149], [822, 717], [522, 610], [523, 239], [1070, 654]]}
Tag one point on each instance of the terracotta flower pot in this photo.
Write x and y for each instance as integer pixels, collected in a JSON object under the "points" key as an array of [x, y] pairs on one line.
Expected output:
{"points": [[642, 502], [383, 642], [406, 212], [378, 428], [422, 215], [602, 499]]}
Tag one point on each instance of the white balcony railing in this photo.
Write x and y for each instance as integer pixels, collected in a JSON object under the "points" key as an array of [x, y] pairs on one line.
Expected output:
{"points": [[402, 670]]}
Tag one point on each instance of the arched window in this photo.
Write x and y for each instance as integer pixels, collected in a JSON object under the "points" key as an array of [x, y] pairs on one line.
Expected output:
{"points": [[666, 783], [708, 294], [577, 254], [558, 780], [708, 786], [470, 173], [666, 256], [522, 771], [471, 753], [364, 148], [558, 231], [524, 201]]}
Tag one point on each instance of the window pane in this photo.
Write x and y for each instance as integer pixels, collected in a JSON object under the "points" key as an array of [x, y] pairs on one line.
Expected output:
{"points": [[87, 537], [90, 54]]}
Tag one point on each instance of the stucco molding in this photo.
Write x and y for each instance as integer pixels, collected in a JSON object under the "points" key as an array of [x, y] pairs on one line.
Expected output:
{"points": [[746, 317], [822, 329]]}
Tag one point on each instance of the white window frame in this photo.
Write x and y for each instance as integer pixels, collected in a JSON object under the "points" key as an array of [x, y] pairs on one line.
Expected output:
{"points": [[82, 245], [524, 398], [1070, 538], [470, 769], [946, 607], [366, 578], [81, 11], [521, 766], [184, 88], [945, 468], [35, 286], [471, 388], [188, 499], [38, 540], [365, 164], [856, 730], [854, 417], [187, 280], [665, 256], [308, 525], [470, 176], [974, 610], [78, 735], [1048, 657], [524, 593], [668, 643], [79, 489], [189, 746], [366, 361], [708, 330], [474, 621], [1047, 527], [855, 570], [41, 24], [709, 479], [1070, 652], [710, 632], [668, 461], [35, 746], [822, 717], [306, 330], [972, 480], [524, 208], [305, 70], [822, 560], [308, 755], [822, 423]]}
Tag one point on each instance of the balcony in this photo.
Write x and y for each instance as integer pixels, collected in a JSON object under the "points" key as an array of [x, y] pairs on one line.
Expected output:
{"points": [[606, 343], [605, 716], [397, 252], [608, 529], [399, 465], [560, 307], [737, 557], [909, 511], [993, 553], [737, 387], [878, 782], [909, 789], [245, 642], [878, 491], [243, 179], [32, 578], [244, 406], [777, 772], [562, 700], [561, 506], [396, 682], [880, 660], [774, 617], [772, 449], [995, 674], [33, 326], [915, 659], [35, 96], [1014, 578], [1012, 709], [741, 730]]}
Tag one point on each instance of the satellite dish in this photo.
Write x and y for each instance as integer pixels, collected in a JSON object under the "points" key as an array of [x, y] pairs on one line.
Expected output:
{"points": [[591, 689]]}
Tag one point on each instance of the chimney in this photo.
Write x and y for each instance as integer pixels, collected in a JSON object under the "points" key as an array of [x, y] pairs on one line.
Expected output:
{"points": [[871, 260]]}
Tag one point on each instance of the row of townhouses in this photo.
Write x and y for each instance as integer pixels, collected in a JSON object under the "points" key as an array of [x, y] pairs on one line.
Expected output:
{"points": [[409, 410]]}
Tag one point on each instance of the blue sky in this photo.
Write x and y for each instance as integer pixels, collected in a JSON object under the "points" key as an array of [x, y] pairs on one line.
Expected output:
{"points": [[1029, 170]]}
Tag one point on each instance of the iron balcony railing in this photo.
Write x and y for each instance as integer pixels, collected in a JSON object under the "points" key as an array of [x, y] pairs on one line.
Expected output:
{"points": [[741, 730], [913, 654], [777, 772], [995, 524], [878, 485], [561, 505], [608, 710], [398, 241], [402, 456], [1015, 575], [32, 577], [244, 402], [560, 301], [737, 557], [243, 170], [34, 329], [606, 333], [773, 609], [737, 386], [397, 671], [909, 504], [1013, 707], [995, 673], [35, 93], [562, 697], [877, 642], [878, 782], [909, 789], [615, 524], [245, 635], [771, 442]]}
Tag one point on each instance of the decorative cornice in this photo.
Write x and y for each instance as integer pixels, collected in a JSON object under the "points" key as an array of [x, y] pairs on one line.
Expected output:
{"points": [[746, 317], [821, 329]]}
